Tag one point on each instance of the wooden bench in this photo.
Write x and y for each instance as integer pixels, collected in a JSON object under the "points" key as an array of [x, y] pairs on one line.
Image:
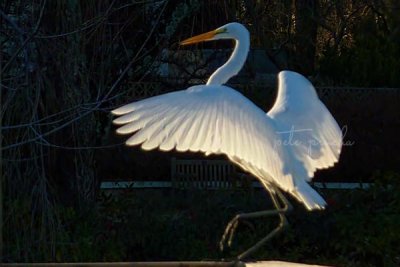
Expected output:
{"points": [[206, 174]]}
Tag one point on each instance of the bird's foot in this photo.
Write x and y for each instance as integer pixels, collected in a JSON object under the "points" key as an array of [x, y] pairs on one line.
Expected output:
{"points": [[229, 233]]}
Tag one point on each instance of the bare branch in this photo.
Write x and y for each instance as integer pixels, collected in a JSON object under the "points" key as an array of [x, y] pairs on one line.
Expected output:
{"points": [[25, 42]]}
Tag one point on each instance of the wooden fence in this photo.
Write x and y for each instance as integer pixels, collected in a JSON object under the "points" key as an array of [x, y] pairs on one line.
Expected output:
{"points": [[369, 117], [140, 90]]}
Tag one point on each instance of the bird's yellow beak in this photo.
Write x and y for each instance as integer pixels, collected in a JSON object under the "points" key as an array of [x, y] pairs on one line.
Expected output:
{"points": [[201, 37]]}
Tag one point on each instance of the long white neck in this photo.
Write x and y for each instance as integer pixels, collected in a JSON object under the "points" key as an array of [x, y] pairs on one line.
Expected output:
{"points": [[234, 63]]}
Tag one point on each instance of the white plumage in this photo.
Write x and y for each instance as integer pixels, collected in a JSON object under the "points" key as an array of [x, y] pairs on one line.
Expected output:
{"points": [[283, 147]]}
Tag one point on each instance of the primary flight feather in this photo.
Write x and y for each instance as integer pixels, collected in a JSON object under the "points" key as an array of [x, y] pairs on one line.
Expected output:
{"points": [[283, 147]]}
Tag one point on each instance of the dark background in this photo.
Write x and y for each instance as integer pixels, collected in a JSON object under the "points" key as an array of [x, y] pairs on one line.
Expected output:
{"points": [[66, 64]]}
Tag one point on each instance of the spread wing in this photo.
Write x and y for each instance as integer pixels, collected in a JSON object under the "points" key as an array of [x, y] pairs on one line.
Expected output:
{"points": [[210, 119], [306, 126]]}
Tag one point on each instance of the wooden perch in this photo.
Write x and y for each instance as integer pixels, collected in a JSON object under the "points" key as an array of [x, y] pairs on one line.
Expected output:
{"points": [[169, 264], [279, 264]]}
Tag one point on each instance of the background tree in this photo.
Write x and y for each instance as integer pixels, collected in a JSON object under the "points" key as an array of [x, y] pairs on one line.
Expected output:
{"points": [[305, 37], [65, 64]]}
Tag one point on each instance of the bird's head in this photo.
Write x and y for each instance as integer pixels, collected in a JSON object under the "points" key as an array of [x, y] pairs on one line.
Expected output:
{"points": [[232, 30]]}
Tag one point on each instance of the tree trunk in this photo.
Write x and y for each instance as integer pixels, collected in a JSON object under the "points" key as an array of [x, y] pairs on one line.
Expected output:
{"points": [[305, 35]]}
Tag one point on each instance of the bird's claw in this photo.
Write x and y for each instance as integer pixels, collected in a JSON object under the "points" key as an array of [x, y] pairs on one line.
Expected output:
{"points": [[229, 233]]}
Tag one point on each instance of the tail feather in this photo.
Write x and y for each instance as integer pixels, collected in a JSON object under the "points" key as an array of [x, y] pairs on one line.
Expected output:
{"points": [[308, 196]]}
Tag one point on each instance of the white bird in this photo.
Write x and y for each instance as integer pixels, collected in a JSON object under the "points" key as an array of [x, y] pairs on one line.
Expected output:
{"points": [[282, 148]]}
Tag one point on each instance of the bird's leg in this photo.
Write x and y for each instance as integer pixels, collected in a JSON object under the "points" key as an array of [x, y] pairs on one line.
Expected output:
{"points": [[281, 209]]}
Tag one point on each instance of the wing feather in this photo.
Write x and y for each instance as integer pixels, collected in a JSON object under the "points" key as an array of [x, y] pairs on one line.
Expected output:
{"points": [[199, 137], [217, 119], [310, 131], [211, 119]]}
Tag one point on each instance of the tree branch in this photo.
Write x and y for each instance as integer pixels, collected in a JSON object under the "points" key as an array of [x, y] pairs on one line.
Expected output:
{"points": [[25, 42]]}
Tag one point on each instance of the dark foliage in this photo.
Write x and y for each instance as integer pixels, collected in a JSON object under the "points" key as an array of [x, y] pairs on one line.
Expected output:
{"points": [[359, 228], [65, 64]]}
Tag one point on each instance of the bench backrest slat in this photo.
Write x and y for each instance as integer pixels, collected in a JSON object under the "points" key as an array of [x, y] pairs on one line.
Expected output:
{"points": [[201, 174]]}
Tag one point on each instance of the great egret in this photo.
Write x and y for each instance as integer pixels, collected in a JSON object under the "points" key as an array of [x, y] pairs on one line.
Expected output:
{"points": [[282, 148]]}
